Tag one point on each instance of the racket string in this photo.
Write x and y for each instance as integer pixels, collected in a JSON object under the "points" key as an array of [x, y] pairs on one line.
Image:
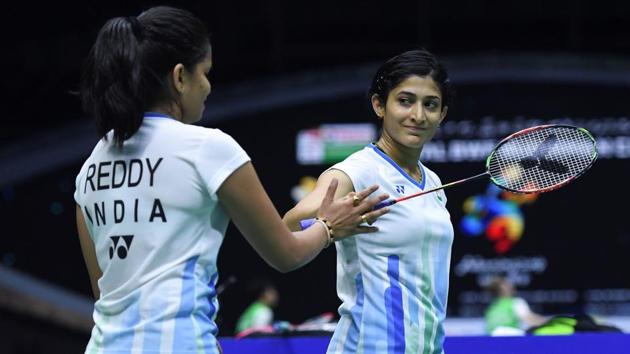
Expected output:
{"points": [[542, 158]]}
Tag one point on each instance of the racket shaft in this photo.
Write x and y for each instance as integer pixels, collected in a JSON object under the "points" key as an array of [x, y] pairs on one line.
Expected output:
{"points": [[394, 201]]}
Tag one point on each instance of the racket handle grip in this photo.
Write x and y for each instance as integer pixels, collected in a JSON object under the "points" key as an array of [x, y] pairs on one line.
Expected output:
{"points": [[306, 223], [384, 204]]}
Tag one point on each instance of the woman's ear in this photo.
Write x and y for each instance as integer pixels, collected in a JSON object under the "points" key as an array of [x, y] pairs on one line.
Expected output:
{"points": [[179, 78], [443, 113], [378, 106]]}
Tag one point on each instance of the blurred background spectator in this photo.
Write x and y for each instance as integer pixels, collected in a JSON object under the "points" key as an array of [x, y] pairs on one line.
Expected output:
{"points": [[260, 312], [509, 314]]}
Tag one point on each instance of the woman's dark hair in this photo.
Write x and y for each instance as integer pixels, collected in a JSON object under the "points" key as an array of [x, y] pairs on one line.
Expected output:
{"points": [[418, 62], [126, 71]]}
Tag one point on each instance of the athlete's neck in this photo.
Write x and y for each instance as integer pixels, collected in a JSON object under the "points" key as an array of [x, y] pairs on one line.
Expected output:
{"points": [[171, 110], [405, 157]]}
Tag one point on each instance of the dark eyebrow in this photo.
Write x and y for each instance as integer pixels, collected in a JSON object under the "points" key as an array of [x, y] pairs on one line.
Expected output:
{"points": [[407, 93], [414, 95]]}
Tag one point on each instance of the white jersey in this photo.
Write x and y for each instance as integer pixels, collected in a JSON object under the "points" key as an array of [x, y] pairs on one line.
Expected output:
{"points": [[393, 284], [156, 223]]}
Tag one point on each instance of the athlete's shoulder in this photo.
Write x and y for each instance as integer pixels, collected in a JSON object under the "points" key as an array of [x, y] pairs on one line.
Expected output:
{"points": [[192, 131], [361, 160], [360, 167], [216, 138], [194, 135]]}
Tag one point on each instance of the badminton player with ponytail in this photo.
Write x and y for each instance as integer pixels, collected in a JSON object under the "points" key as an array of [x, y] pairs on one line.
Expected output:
{"points": [[393, 284], [156, 194]]}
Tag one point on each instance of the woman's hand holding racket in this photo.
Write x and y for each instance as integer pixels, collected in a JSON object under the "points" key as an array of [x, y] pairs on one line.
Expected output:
{"points": [[534, 160], [346, 215]]}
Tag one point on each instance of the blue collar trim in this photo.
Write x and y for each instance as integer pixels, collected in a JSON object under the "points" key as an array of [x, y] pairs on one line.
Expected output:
{"points": [[156, 115], [402, 172]]}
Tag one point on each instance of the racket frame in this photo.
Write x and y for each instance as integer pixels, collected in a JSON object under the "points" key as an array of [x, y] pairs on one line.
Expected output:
{"points": [[528, 130], [487, 173]]}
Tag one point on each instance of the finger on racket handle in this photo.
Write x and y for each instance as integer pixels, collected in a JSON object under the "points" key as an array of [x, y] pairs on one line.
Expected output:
{"points": [[384, 204]]}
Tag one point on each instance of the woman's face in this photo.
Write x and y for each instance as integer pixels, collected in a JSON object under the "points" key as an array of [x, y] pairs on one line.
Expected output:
{"points": [[413, 111], [196, 89]]}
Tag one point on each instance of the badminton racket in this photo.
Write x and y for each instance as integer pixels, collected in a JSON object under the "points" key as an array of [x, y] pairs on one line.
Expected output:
{"points": [[533, 160]]}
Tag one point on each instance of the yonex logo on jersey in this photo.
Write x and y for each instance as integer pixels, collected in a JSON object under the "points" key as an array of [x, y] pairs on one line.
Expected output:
{"points": [[122, 249], [400, 189]]}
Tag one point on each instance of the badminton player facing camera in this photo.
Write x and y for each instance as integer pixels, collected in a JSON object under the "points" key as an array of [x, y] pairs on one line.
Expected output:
{"points": [[156, 194], [393, 284]]}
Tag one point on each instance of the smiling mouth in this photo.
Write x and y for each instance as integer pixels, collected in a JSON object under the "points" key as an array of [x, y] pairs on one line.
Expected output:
{"points": [[415, 129]]}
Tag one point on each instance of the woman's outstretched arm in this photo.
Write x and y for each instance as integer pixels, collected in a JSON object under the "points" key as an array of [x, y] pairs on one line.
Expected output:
{"points": [[253, 213]]}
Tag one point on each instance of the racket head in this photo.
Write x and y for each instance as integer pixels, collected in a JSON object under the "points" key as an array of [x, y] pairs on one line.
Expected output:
{"points": [[541, 158]]}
